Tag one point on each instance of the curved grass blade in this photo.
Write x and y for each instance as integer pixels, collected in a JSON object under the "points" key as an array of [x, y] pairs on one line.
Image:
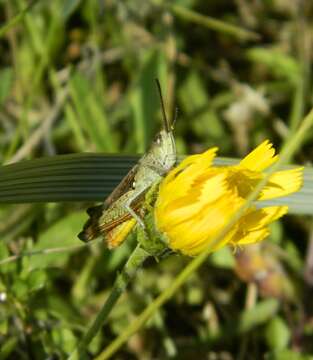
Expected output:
{"points": [[93, 176], [17, 18]]}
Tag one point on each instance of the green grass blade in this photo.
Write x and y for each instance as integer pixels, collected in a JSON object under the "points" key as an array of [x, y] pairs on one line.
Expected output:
{"points": [[92, 177], [17, 18], [213, 24], [91, 114], [144, 98]]}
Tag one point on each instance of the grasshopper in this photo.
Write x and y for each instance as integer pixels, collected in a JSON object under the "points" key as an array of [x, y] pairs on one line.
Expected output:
{"points": [[115, 218]]}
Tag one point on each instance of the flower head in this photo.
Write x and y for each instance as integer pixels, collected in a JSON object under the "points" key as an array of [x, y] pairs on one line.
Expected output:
{"points": [[197, 199]]}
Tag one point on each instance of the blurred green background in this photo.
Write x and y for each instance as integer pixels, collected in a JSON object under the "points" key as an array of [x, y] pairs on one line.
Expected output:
{"points": [[78, 76]]}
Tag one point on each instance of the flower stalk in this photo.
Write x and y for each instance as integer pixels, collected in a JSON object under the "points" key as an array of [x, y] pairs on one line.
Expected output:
{"points": [[133, 264]]}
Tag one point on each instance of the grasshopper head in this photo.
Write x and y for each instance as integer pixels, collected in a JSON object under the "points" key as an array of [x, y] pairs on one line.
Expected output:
{"points": [[163, 151]]}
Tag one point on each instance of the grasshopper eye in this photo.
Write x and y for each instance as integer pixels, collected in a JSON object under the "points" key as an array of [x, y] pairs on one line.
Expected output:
{"points": [[133, 185], [158, 139]]}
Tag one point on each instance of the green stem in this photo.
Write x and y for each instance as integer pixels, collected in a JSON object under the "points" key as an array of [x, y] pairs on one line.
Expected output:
{"points": [[17, 18], [133, 264], [213, 24]]}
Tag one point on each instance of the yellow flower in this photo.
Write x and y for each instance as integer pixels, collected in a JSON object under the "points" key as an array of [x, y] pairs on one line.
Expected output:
{"points": [[197, 199]]}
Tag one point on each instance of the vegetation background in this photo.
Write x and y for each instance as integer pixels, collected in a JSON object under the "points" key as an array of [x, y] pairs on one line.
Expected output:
{"points": [[78, 76]]}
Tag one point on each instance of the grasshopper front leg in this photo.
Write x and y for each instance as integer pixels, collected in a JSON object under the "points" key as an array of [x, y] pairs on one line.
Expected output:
{"points": [[137, 192]]}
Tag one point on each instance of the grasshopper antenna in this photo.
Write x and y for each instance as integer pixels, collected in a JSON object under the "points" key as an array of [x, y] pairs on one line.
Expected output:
{"points": [[166, 122], [175, 118]]}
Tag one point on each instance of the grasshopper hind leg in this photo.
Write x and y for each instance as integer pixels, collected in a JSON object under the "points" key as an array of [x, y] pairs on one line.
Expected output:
{"points": [[135, 216]]}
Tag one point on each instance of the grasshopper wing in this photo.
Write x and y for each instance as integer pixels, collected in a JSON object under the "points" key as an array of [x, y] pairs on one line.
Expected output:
{"points": [[93, 227]]}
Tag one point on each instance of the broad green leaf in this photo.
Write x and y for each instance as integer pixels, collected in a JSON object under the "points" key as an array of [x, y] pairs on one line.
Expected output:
{"points": [[223, 258], [259, 314], [277, 334], [36, 280], [278, 63], [20, 289], [64, 339], [276, 230], [7, 347]]}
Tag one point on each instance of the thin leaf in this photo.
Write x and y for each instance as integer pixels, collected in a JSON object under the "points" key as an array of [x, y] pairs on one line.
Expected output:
{"points": [[213, 24], [92, 177], [17, 18]]}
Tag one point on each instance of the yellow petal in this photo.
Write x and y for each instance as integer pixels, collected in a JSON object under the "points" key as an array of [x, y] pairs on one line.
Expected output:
{"points": [[205, 159], [259, 218], [183, 208], [252, 226], [252, 237], [242, 180], [178, 182], [282, 183], [203, 227], [198, 248], [260, 158]]}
